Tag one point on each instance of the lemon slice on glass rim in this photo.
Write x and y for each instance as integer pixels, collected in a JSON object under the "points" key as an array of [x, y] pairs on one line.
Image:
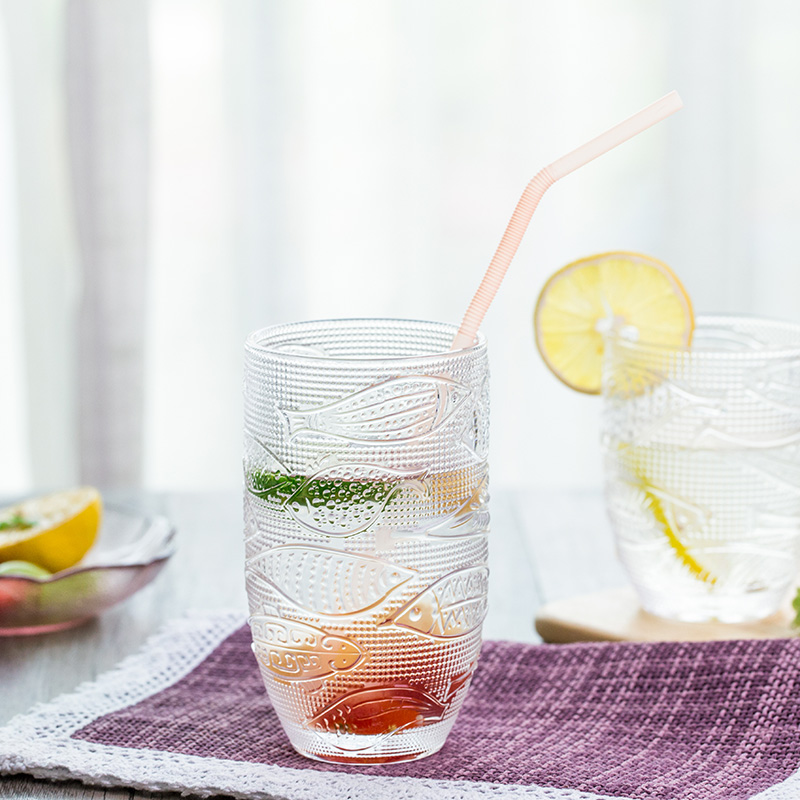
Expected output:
{"points": [[637, 296], [54, 531]]}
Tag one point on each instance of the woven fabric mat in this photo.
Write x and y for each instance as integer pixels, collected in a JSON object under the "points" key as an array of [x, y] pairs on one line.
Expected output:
{"points": [[667, 721]]}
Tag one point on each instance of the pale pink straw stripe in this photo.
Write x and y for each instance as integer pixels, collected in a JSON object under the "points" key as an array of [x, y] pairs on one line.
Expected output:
{"points": [[502, 258], [533, 193]]}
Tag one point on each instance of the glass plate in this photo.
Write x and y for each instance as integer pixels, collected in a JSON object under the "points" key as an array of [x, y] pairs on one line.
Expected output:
{"points": [[130, 551]]}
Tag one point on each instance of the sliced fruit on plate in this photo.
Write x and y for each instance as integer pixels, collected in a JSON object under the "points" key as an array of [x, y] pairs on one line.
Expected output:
{"points": [[54, 531], [22, 569]]}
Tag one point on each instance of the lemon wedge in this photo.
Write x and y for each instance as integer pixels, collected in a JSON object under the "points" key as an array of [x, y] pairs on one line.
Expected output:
{"points": [[54, 531], [634, 295]]}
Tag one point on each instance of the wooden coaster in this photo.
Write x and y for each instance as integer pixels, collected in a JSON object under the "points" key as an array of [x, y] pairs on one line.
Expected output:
{"points": [[614, 615]]}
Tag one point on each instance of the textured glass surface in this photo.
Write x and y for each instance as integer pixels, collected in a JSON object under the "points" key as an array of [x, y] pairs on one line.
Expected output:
{"points": [[366, 524], [702, 461]]}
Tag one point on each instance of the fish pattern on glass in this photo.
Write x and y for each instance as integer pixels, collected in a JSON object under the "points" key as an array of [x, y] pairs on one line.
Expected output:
{"points": [[338, 498], [635, 498], [364, 488], [455, 605], [674, 405], [251, 528], [324, 505], [325, 581], [376, 711], [759, 409], [259, 457], [296, 651], [471, 518], [780, 468], [475, 434], [777, 385], [385, 710], [396, 410], [711, 436]]}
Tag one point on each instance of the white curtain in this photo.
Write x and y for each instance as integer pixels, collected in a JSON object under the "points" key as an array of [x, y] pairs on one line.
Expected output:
{"points": [[266, 161], [108, 113], [41, 275]]}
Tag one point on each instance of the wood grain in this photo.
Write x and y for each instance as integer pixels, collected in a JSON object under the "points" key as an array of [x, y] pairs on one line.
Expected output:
{"points": [[615, 615]]}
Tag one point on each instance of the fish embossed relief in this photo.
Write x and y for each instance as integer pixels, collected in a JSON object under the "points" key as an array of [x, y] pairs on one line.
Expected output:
{"points": [[384, 710], [327, 582], [376, 711], [338, 499], [776, 385], [779, 469], [334, 497], [455, 605], [397, 410], [470, 518], [297, 651]]}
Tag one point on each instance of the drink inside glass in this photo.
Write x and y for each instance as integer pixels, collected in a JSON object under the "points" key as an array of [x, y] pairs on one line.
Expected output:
{"points": [[366, 526], [702, 458]]}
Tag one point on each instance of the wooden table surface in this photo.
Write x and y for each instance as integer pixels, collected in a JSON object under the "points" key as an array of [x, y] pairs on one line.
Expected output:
{"points": [[543, 546]]}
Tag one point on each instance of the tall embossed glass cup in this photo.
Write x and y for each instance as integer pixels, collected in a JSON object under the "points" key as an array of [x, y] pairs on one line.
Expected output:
{"points": [[366, 526], [702, 459]]}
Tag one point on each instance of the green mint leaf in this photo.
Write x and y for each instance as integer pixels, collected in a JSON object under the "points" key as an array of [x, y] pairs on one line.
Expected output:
{"points": [[796, 607], [16, 523], [314, 492]]}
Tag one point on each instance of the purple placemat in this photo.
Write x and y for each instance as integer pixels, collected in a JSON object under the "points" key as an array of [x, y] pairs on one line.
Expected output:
{"points": [[667, 721]]}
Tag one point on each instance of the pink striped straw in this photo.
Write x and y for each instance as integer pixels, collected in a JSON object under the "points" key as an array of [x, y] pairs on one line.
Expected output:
{"points": [[533, 193]]}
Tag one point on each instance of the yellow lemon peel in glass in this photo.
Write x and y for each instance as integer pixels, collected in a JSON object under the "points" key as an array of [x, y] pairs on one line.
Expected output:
{"points": [[681, 551], [662, 519]]}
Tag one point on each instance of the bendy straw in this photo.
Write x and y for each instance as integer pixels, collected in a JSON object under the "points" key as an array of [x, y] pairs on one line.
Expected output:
{"points": [[533, 193]]}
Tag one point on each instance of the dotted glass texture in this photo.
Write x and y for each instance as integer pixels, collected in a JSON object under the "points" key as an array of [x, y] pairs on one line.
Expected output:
{"points": [[366, 522], [702, 466]]}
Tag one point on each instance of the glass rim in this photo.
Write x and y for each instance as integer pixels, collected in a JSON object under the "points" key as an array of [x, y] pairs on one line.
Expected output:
{"points": [[718, 320], [254, 342]]}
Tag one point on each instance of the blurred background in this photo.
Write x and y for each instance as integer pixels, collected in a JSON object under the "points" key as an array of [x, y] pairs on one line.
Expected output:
{"points": [[176, 173]]}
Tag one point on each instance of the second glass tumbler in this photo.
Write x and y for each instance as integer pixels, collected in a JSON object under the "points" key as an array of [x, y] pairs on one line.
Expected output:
{"points": [[702, 457]]}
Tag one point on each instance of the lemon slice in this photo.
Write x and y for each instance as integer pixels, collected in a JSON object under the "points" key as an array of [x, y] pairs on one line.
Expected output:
{"points": [[637, 296], [54, 531]]}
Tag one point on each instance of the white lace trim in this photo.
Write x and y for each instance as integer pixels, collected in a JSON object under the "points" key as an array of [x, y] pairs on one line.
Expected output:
{"points": [[37, 743]]}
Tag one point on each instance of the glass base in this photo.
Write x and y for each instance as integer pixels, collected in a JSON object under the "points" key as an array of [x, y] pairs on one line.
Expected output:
{"points": [[712, 608], [364, 749]]}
